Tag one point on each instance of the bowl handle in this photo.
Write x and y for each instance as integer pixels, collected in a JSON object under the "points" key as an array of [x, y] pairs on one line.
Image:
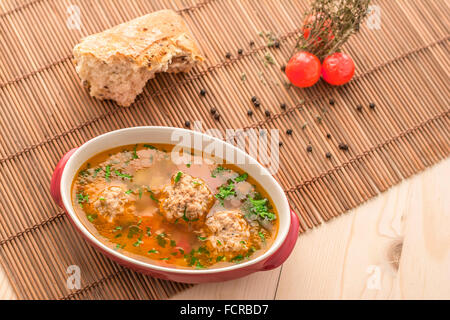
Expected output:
{"points": [[55, 184], [277, 259]]}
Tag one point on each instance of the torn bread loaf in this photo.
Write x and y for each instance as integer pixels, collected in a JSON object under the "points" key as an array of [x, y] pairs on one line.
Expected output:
{"points": [[116, 63]]}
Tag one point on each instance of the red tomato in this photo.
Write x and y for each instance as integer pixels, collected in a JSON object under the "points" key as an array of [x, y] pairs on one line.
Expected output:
{"points": [[338, 68], [303, 69], [309, 22]]}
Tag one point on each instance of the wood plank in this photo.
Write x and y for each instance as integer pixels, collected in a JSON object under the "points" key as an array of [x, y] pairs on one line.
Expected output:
{"points": [[397, 246]]}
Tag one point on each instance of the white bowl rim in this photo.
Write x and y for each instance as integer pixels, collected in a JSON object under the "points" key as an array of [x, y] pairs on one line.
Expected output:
{"points": [[275, 188]]}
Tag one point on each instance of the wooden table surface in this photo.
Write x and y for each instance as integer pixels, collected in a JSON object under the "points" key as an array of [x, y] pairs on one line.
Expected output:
{"points": [[396, 246]]}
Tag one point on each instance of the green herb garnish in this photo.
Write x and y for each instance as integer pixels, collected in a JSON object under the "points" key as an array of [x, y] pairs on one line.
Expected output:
{"points": [[135, 156], [242, 177], [161, 241], [225, 191], [220, 258], [178, 176], [259, 208], [173, 243], [122, 175], [201, 238], [149, 146], [153, 251], [218, 170], [107, 172], [91, 217], [262, 236]]}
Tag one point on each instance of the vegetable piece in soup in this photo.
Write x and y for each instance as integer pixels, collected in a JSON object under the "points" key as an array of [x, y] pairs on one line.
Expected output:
{"points": [[137, 200]]}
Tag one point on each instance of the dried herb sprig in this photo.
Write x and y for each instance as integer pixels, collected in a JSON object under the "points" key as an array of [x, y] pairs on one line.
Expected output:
{"points": [[329, 24]]}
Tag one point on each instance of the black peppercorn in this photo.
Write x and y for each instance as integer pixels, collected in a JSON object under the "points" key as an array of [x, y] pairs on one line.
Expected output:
{"points": [[359, 107], [213, 110], [280, 144], [267, 112], [283, 68], [202, 92], [332, 101], [228, 55], [252, 43], [309, 148], [250, 113], [187, 124], [254, 98], [372, 105], [343, 146], [217, 116], [328, 136], [276, 44], [328, 155], [283, 106], [257, 103], [240, 51], [289, 131]]}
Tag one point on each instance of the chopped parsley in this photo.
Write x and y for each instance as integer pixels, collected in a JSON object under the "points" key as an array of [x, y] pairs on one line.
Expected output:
{"points": [[161, 239], [218, 242], [122, 175], [149, 146], [129, 191], [262, 236], [218, 170], [132, 231], [138, 242], [148, 232], [220, 258], [153, 251], [135, 156], [188, 165], [201, 238], [96, 171], [107, 172], [82, 199], [259, 208], [225, 191], [91, 217], [173, 243], [237, 258], [178, 176], [242, 177]]}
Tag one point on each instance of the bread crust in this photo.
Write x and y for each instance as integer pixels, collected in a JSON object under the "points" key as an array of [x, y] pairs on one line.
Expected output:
{"points": [[152, 42]]}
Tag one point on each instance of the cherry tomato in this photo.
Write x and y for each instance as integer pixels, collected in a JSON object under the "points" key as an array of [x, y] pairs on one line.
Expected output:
{"points": [[308, 24], [338, 69], [303, 69]]}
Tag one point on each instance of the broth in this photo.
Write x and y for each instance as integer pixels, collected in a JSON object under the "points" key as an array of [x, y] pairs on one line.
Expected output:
{"points": [[138, 201]]}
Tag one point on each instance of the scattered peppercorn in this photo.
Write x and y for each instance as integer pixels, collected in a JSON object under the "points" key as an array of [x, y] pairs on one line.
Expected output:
{"points": [[213, 110], [280, 144], [372, 105], [328, 136], [343, 146], [240, 51], [250, 113], [257, 103], [187, 123], [267, 112], [252, 43], [283, 68], [332, 101], [328, 155], [283, 106], [289, 131], [228, 55], [359, 107], [309, 148], [217, 116], [254, 98], [276, 44], [202, 92]]}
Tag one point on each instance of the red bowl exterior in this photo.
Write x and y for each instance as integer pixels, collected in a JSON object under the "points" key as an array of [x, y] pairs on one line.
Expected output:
{"points": [[271, 262]]}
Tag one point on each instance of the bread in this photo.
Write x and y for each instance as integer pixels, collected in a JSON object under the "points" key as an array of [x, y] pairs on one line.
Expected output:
{"points": [[116, 63]]}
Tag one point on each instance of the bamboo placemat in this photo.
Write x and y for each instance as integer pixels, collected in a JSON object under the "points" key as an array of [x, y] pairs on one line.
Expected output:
{"points": [[402, 68]]}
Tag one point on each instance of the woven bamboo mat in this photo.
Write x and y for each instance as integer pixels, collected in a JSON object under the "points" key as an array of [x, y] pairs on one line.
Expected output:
{"points": [[403, 68]]}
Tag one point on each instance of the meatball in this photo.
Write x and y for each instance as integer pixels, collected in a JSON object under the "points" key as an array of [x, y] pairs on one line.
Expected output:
{"points": [[229, 231], [112, 202], [186, 198]]}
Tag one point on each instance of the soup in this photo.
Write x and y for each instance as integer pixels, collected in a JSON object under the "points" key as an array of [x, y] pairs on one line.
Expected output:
{"points": [[198, 214]]}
